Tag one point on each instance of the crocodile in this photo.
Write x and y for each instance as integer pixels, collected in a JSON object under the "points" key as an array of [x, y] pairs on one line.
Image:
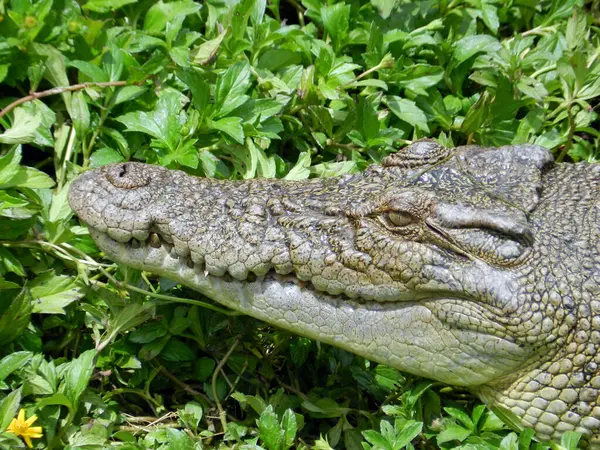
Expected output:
{"points": [[478, 267]]}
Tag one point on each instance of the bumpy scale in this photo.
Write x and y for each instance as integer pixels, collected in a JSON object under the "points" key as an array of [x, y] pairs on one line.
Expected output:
{"points": [[478, 267]]}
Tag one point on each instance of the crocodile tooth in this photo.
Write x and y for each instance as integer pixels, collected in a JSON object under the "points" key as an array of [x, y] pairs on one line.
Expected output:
{"points": [[134, 243], [154, 240]]}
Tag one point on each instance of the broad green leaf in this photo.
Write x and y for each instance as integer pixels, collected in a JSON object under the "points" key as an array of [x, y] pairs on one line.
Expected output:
{"points": [[15, 318], [489, 14], [207, 51], [103, 6], [179, 440], [57, 398], [177, 351], [93, 72], [229, 125], [12, 362], [55, 68], [9, 165], [10, 262], [301, 169], [52, 293], [508, 417], [104, 156], [127, 93], [203, 368], [162, 13], [408, 111], [194, 409], [409, 431], [231, 88], [80, 113], [560, 9], [570, 440], [24, 125], [470, 46], [149, 332], [453, 433], [289, 426], [509, 442], [462, 416], [377, 440], [28, 177], [269, 429], [77, 376], [9, 407], [366, 119], [384, 7], [336, 22], [162, 122]]}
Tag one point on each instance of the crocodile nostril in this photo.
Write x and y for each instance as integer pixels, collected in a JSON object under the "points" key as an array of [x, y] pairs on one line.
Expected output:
{"points": [[123, 171], [127, 175]]}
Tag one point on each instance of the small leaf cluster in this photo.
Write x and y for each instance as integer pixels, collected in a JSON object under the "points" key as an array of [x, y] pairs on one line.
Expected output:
{"points": [[107, 356]]}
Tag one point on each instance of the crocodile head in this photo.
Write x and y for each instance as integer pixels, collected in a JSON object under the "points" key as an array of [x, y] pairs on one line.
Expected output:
{"points": [[434, 262]]}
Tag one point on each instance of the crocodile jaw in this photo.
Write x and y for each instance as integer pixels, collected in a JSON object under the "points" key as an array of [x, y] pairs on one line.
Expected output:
{"points": [[405, 335]]}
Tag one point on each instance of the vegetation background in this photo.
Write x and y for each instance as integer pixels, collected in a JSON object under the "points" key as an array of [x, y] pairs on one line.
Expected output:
{"points": [[106, 356]]}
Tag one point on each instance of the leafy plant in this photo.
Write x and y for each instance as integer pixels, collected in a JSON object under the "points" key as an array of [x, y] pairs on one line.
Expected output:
{"points": [[106, 356]]}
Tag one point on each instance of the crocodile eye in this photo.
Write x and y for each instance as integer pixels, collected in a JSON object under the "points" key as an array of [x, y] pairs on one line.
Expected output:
{"points": [[400, 218]]}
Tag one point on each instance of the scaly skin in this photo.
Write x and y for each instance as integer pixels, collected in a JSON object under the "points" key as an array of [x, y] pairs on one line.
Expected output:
{"points": [[478, 267]]}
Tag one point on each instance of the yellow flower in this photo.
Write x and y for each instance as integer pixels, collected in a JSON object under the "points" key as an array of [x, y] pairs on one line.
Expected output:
{"points": [[23, 428]]}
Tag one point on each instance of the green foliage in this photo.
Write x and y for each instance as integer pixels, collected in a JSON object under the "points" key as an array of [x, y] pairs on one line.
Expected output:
{"points": [[105, 356]]}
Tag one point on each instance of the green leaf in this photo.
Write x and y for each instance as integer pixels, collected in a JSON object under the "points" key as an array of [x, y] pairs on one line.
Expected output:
{"points": [[509, 442], [102, 6], [162, 123], [269, 430], [179, 440], [149, 332], [290, 428], [12, 362], [176, 351], [408, 111], [366, 119], [9, 165], [377, 440], [462, 416], [162, 13], [409, 431], [336, 20], [23, 127], [229, 125], [104, 156], [230, 89], [203, 368], [93, 72], [207, 51], [52, 293], [80, 113], [126, 94], [9, 407], [192, 412], [10, 262], [15, 318], [470, 46], [301, 169], [508, 417], [490, 16], [28, 177], [453, 433], [384, 7], [77, 376], [570, 440]]}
